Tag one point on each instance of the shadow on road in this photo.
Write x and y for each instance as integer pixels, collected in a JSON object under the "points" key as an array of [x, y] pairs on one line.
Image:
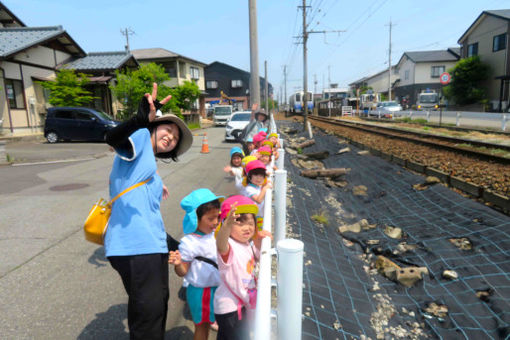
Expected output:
{"points": [[179, 333], [107, 325], [98, 258]]}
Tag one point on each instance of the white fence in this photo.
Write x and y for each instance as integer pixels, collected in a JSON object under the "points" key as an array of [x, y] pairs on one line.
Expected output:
{"points": [[289, 266]]}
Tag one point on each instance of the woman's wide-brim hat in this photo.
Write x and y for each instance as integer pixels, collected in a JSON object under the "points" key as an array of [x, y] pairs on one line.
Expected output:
{"points": [[261, 113], [186, 138]]}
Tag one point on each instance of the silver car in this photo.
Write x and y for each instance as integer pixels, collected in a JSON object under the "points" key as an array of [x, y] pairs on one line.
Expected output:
{"points": [[236, 124], [387, 109]]}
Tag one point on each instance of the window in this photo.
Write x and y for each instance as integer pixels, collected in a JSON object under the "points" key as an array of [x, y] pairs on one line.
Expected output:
{"points": [[14, 89], [499, 42], [194, 72], [436, 71], [472, 50], [171, 70], [212, 84], [406, 74], [64, 114], [82, 115], [236, 83]]}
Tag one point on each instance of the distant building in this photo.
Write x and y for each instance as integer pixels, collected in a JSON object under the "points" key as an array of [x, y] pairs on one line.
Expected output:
{"points": [[178, 67], [487, 37], [378, 81], [234, 83], [420, 71]]}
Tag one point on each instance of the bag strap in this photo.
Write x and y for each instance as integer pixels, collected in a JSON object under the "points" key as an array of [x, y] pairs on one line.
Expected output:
{"points": [[129, 189], [206, 260]]}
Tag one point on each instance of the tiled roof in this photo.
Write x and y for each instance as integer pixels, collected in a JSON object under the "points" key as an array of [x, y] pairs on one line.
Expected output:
{"points": [[159, 53], [430, 56], [15, 39], [153, 53], [99, 61], [503, 13]]}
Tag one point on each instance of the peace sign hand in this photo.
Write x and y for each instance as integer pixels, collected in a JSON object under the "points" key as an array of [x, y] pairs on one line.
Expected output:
{"points": [[152, 100]]}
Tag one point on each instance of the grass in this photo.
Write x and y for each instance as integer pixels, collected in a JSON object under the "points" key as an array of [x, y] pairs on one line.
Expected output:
{"points": [[194, 126], [299, 151], [9, 158], [321, 217], [498, 152]]}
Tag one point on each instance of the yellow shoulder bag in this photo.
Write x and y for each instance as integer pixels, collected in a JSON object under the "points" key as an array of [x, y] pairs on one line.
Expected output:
{"points": [[96, 223]]}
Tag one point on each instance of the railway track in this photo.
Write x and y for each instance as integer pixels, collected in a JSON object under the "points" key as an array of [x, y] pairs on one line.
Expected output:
{"points": [[440, 142]]}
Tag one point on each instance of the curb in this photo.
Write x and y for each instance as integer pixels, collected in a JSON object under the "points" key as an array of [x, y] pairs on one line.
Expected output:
{"points": [[500, 202]]}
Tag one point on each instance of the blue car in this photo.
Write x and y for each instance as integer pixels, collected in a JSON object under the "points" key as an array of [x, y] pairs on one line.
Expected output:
{"points": [[76, 123]]}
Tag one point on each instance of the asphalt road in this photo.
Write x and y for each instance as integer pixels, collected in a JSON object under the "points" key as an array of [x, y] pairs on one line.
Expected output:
{"points": [[54, 284]]}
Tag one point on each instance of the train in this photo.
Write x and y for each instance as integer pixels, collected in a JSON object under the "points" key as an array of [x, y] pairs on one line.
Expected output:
{"points": [[296, 102]]}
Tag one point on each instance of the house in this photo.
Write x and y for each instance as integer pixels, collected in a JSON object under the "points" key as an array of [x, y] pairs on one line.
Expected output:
{"points": [[178, 67], [233, 82], [378, 82], [100, 67], [420, 70], [27, 55], [487, 37]]}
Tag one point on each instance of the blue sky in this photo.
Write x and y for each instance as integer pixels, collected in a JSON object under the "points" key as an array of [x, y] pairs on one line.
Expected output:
{"points": [[208, 30]]}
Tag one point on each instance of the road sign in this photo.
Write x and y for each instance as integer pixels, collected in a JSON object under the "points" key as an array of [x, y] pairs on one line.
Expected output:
{"points": [[445, 78]]}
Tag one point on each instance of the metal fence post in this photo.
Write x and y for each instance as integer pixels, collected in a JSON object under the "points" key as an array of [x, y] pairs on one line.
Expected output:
{"points": [[280, 209], [503, 123], [290, 287], [280, 162], [428, 116], [457, 121]]}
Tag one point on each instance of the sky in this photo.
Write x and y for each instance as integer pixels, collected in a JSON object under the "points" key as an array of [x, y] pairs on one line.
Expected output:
{"points": [[218, 30]]}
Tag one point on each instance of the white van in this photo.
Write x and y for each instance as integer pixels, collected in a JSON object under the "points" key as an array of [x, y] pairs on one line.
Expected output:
{"points": [[222, 114]]}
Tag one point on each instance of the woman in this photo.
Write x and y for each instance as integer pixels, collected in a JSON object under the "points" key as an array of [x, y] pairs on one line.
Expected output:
{"points": [[259, 122], [136, 240]]}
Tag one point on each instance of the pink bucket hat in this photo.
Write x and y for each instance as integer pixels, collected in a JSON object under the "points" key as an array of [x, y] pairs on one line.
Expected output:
{"points": [[265, 150], [254, 165], [244, 206], [258, 138]]}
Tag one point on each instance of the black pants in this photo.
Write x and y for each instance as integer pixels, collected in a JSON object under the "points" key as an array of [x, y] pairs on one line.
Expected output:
{"points": [[230, 327], [145, 278]]}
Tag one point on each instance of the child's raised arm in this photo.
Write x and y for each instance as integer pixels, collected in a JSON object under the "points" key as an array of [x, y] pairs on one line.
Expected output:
{"points": [[224, 232], [260, 197]]}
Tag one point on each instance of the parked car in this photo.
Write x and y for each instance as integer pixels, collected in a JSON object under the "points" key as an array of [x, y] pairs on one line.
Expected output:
{"points": [[236, 124], [387, 109], [76, 123]]}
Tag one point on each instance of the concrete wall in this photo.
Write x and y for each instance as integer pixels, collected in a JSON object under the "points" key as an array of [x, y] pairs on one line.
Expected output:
{"points": [[483, 34], [187, 73], [406, 65], [423, 71]]}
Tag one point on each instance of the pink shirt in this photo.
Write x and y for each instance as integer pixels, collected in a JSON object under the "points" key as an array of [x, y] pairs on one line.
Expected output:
{"points": [[238, 271]]}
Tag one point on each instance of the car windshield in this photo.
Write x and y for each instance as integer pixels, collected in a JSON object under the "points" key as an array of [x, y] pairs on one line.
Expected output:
{"points": [[104, 115], [388, 104], [428, 98], [222, 111], [241, 117]]}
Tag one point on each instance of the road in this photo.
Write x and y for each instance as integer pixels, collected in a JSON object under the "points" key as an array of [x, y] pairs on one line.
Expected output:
{"points": [[466, 119], [54, 284]]}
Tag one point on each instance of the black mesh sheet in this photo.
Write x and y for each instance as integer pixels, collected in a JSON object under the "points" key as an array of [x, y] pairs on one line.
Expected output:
{"points": [[343, 298]]}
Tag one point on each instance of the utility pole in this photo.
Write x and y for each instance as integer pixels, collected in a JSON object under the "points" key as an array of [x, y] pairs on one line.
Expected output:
{"points": [[305, 67], [314, 83], [127, 32], [329, 76], [266, 91], [389, 65], [285, 83], [254, 55]]}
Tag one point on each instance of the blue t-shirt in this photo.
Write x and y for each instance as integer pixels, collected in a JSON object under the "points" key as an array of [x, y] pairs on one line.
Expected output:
{"points": [[136, 226]]}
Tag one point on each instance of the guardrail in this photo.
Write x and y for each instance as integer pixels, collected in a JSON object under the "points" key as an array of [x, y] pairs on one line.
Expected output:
{"points": [[289, 266]]}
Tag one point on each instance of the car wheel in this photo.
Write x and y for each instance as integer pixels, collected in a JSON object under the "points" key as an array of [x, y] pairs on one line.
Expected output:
{"points": [[52, 137]]}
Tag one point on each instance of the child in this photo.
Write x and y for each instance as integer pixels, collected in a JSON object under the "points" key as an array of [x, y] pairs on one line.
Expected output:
{"points": [[273, 148], [196, 258], [237, 259], [256, 184], [265, 157], [235, 169], [273, 138], [249, 146], [257, 142]]}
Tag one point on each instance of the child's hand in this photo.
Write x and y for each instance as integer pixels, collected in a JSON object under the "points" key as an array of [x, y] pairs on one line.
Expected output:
{"points": [[268, 185], [166, 193], [232, 216], [174, 257], [264, 233], [227, 168]]}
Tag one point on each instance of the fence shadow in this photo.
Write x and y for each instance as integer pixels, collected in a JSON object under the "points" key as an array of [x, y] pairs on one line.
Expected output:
{"points": [[107, 325]]}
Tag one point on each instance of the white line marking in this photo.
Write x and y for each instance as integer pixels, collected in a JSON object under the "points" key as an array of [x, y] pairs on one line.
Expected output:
{"points": [[54, 162]]}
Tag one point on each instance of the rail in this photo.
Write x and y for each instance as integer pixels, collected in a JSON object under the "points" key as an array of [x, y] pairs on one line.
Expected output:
{"points": [[289, 266]]}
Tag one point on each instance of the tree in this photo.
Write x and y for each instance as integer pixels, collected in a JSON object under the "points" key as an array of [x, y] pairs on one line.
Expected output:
{"points": [[133, 84], [68, 89], [466, 85]]}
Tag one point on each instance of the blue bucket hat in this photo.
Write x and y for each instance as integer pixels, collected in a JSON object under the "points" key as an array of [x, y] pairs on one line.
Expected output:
{"points": [[236, 149], [191, 202]]}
